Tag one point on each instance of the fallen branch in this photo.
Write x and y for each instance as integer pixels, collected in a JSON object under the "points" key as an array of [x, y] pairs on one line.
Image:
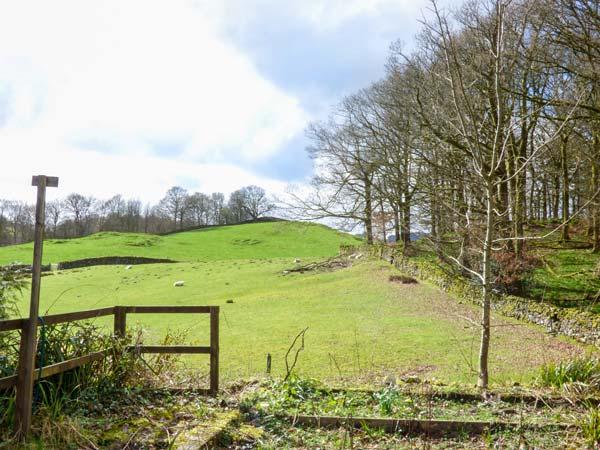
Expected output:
{"points": [[330, 264]]}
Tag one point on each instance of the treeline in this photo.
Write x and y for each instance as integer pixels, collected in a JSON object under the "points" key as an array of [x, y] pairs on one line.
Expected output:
{"points": [[495, 116], [79, 215], [491, 123]]}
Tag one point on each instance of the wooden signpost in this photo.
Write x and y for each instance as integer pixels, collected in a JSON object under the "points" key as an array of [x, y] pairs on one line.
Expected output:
{"points": [[29, 333]]}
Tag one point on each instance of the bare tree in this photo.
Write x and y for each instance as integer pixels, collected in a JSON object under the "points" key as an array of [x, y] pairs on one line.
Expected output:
{"points": [[256, 202], [79, 206], [54, 212], [174, 204], [198, 207]]}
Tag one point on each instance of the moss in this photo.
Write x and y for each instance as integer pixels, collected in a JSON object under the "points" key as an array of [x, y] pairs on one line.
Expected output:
{"points": [[121, 431], [214, 430]]}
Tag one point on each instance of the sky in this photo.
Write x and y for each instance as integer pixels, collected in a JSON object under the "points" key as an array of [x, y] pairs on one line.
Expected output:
{"points": [[134, 97]]}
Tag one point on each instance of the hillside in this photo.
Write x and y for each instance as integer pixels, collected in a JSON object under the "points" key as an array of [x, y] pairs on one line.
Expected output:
{"points": [[256, 240], [565, 274]]}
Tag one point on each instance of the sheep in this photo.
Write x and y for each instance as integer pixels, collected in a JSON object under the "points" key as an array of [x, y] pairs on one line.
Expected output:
{"points": [[178, 283], [128, 267]]}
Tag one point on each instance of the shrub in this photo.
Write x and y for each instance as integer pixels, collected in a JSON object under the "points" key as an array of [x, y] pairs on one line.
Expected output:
{"points": [[584, 370], [387, 398], [12, 282], [590, 427], [512, 271]]}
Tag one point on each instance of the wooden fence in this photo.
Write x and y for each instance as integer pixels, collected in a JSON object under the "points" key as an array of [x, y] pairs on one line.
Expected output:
{"points": [[120, 323]]}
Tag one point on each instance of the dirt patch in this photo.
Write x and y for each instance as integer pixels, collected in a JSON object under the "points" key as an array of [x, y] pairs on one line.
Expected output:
{"points": [[404, 279]]}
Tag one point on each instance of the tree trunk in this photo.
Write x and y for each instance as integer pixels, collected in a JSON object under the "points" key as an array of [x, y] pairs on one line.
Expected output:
{"points": [[520, 195], [368, 211], [533, 212], [396, 223], [383, 222], [556, 197], [564, 165], [405, 231], [483, 378], [595, 185], [544, 200]]}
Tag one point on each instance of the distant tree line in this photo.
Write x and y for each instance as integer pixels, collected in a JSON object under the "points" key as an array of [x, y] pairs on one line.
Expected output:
{"points": [[79, 215]]}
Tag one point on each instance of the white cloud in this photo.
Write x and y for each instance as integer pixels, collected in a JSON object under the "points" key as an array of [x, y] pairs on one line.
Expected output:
{"points": [[119, 76], [323, 15]]}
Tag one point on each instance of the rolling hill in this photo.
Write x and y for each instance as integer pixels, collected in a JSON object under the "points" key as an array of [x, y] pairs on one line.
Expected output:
{"points": [[256, 240]]}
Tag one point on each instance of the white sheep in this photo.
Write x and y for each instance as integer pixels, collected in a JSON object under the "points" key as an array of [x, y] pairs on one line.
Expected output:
{"points": [[128, 267], [178, 283]]}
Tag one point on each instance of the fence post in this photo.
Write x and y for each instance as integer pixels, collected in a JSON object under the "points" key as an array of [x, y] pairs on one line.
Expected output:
{"points": [[28, 344], [120, 323], [214, 350]]}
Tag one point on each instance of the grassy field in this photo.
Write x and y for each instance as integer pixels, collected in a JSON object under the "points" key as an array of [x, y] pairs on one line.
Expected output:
{"points": [[257, 240], [362, 328]]}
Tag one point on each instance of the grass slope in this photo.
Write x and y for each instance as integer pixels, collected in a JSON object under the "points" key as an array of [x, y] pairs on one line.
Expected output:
{"points": [[257, 240], [362, 327], [566, 273]]}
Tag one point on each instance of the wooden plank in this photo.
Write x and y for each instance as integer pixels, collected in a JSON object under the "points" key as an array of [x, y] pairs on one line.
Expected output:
{"points": [[214, 350], [120, 322], [8, 382], [167, 309], [53, 319], [404, 426], [12, 324], [50, 181], [53, 369], [69, 364], [77, 315], [181, 391], [173, 349], [430, 427]]}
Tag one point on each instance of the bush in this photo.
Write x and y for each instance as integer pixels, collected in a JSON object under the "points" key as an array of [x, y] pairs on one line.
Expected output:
{"points": [[57, 343], [12, 282], [585, 370], [513, 271]]}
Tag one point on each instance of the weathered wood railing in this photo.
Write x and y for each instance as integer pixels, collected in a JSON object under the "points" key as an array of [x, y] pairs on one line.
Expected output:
{"points": [[120, 323]]}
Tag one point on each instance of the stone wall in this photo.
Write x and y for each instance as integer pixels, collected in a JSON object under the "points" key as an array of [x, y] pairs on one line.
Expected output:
{"points": [[110, 260]]}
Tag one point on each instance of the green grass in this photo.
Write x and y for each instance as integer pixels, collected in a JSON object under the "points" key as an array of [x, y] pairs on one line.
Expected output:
{"points": [[257, 240], [566, 275], [566, 272], [566, 278], [361, 327]]}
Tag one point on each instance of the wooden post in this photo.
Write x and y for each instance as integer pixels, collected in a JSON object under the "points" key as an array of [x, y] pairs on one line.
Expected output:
{"points": [[214, 350], [29, 332], [120, 321]]}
